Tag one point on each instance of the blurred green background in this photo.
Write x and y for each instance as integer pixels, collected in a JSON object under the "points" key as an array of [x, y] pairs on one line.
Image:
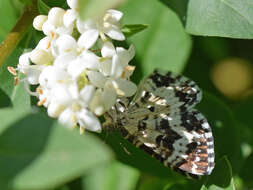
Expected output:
{"points": [[207, 41]]}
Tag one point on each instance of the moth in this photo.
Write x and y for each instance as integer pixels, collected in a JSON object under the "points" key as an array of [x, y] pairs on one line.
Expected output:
{"points": [[162, 121]]}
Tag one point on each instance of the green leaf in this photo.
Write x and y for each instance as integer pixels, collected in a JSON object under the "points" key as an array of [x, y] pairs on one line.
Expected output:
{"points": [[94, 8], [246, 171], [5, 101], [178, 6], [9, 116], [17, 94], [226, 18], [148, 182], [221, 178], [223, 18], [7, 11], [164, 44], [131, 29], [137, 158], [113, 176], [44, 154], [26, 2], [43, 7], [7, 85]]}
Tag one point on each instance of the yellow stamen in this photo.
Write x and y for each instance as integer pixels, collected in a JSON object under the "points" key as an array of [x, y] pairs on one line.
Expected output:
{"points": [[39, 90], [12, 70], [43, 101], [16, 81]]}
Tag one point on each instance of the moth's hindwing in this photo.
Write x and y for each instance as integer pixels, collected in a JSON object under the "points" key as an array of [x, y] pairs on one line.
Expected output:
{"points": [[161, 121], [184, 143]]}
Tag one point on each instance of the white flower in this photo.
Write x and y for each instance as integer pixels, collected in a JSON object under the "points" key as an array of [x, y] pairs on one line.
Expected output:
{"points": [[91, 29], [54, 25], [74, 82], [32, 72], [108, 25], [73, 57]]}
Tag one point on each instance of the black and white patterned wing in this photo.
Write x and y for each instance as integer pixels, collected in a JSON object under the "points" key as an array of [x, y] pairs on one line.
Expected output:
{"points": [[161, 121], [167, 89]]}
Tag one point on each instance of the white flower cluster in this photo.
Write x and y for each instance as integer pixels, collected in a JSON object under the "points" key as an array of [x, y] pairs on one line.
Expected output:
{"points": [[78, 70]]}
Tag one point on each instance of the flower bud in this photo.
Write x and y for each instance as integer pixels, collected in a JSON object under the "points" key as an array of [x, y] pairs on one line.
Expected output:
{"points": [[55, 16], [39, 21], [73, 4], [41, 57]]}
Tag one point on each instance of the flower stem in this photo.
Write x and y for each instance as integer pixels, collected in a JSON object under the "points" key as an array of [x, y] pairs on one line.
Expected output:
{"points": [[18, 31]]}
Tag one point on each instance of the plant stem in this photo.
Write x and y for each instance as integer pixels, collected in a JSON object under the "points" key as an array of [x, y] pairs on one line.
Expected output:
{"points": [[18, 31]]}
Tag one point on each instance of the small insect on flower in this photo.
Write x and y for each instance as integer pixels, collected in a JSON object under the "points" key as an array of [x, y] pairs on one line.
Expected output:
{"points": [[161, 120]]}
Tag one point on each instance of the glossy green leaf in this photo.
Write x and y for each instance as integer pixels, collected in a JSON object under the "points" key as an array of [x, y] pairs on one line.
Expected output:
{"points": [[113, 176], [43, 7], [131, 29], [221, 178], [40, 149], [179, 7], [164, 44], [224, 18], [94, 8]]}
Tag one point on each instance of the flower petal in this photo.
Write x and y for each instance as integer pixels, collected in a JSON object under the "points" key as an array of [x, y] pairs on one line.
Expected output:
{"points": [[116, 15], [24, 62], [75, 68], [54, 109], [96, 78], [55, 16], [66, 44], [51, 75], [61, 95], [69, 17], [73, 4], [32, 74], [62, 61], [108, 49], [106, 67], [88, 38], [109, 97], [124, 87], [114, 33], [89, 121], [90, 60], [87, 94], [96, 104], [83, 26], [67, 117], [44, 44]]}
